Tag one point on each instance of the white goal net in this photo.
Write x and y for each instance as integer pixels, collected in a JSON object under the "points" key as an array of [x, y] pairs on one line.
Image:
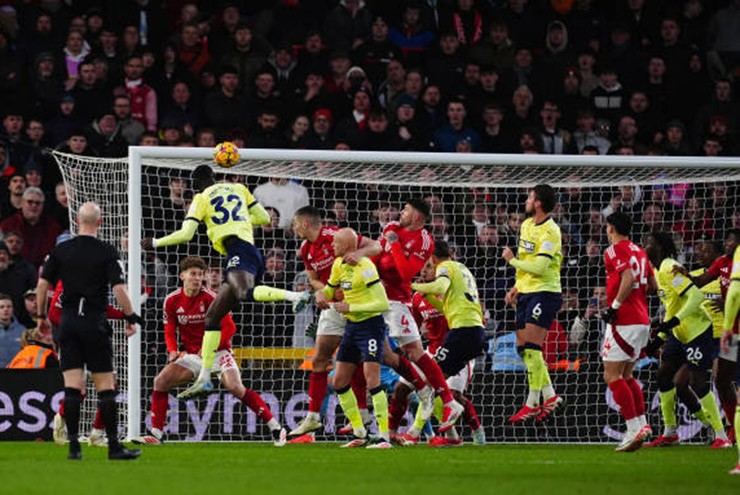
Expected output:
{"points": [[477, 206]]}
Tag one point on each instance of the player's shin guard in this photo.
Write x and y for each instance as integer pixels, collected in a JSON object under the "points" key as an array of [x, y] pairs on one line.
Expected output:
{"points": [[536, 369], [668, 411], [160, 404], [709, 406], [211, 339], [380, 408], [407, 371], [253, 401], [263, 293], [72, 400], [623, 397], [359, 387], [109, 412], [435, 376], [349, 405], [470, 415], [317, 386]]}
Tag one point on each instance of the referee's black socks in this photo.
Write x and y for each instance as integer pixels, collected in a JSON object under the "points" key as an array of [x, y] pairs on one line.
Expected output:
{"points": [[109, 413], [72, 401]]}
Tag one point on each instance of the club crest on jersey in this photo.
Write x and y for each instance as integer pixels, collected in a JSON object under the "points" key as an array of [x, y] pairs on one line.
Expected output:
{"points": [[526, 245], [233, 262], [202, 308], [661, 293]]}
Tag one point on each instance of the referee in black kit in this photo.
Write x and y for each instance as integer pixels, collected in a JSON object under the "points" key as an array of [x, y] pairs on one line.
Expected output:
{"points": [[86, 266]]}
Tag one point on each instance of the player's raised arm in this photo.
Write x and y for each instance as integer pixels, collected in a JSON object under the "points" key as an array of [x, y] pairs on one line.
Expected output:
{"points": [[258, 215]]}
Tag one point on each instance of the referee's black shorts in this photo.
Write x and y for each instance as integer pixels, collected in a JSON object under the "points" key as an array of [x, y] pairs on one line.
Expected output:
{"points": [[85, 340]]}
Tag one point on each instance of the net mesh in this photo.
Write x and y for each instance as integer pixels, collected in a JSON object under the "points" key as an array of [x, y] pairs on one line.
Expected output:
{"points": [[477, 208]]}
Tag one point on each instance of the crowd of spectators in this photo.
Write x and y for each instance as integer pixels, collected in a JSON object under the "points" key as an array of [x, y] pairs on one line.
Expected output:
{"points": [[646, 77]]}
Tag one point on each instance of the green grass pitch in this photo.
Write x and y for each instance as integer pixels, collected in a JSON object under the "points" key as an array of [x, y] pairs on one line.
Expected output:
{"points": [[256, 469]]}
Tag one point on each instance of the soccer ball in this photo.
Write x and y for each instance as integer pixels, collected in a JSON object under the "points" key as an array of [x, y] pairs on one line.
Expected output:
{"points": [[226, 154]]}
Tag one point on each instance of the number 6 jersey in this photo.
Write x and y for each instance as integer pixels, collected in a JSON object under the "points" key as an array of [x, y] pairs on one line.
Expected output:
{"points": [[626, 255]]}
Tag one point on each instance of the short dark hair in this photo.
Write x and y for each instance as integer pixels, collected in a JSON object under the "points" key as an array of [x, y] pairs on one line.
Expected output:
{"points": [[202, 177], [309, 212], [192, 262], [442, 249], [621, 222], [546, 195], [421, 206], [665, 241]]}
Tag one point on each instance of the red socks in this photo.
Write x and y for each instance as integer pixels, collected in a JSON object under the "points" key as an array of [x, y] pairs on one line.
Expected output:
{"points": [[359, 387], [160, 404], [637, 396], [470, 415], [396, 410], [254, 402], [317, 386], [407, 371], [623, 397], [435, 377]]}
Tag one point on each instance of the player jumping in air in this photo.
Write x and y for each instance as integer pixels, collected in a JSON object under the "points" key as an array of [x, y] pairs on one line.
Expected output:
{"points": [[732, 307], [184, 314], [687, 333], [629, 276], [229, 212], [537, 296]]}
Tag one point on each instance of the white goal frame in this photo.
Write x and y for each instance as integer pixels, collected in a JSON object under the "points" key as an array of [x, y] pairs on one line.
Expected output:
{"points": [[137, 155]]}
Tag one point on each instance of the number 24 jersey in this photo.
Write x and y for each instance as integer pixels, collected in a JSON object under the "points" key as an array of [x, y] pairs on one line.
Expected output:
{"points": [[626, 255]]}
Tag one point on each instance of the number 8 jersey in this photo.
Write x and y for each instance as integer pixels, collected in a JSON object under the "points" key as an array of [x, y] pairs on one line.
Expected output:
{"points": [[225, 208], [626, 255]]}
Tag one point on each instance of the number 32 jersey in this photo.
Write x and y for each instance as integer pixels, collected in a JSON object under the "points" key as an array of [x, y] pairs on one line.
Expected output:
{"points": [[224, 208], [461, 306], [626, 255]]}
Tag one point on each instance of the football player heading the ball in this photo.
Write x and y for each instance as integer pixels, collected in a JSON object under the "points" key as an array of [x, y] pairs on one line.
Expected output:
{"points": [[229, 211]]}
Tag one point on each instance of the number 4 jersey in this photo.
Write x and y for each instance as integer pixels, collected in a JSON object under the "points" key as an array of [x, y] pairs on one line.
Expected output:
{"points": [[626, 255], [224, 208]]}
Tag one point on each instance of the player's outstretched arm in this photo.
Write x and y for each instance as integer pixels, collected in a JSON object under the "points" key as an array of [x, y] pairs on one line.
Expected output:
{"points": [[186, 232], [121, 293], [732, 304], [258, 214], [42, 293], [438, 287]]}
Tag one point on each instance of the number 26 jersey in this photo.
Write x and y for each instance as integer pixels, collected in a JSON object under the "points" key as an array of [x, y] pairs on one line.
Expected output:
{"points": [[224, 209]]}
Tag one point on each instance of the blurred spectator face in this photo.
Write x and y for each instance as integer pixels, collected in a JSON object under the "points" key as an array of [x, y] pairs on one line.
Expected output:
{"points": [[149, 141], [472, 74], [456, 113], [608, 79], [492, 116], [35, 131], [586, 62], [171, 135], [438, 226], [268, 122], [515, 221], [32, 207], [625, 150], [74, 42], [13, 124], [60, 193], [77, 144], [499, 34], [148, 59], [656, 67], [283, 58], [321, 125], [712, 147], [361, 101], [435, 203], [230, 16], [718, 126], [638, 102], [585, 122], [414, 83], [107, 125], [695, 63], [379, 30], [522, 98], [314, 82], [388, 213], [33, 178], [130, 37], [620, 37], [652, 216], [593, 250], [275, 264], [378, 124], [480, 214], [674, 135], [32, 307], [188, 13], [134, 68], [229, 82], [488, 80], [628, 193], [571, 84], [17, 183], [719, 195], [265, 83], [523, 58], [313, 44], [449, 44], [405, 113], [550, 114], [463, 146], [669, 31], [122, 108], [411, 16], [722, 90], [43, 24], [206, 139], [488, 236], [94, 23], [6, 305], [190, 36], [45, 68], [14, 243], [108, 40], [177, 187], [181, 94], [395, 71], [214, 277], [78, 24], [627, 128], [243, 37], [300, 125], [555, 36], [431, 96], [339, 209], [101, 68], [340, 65]]}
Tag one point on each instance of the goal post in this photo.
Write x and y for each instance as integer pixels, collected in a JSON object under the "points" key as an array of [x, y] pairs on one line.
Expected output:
{"points": [[138, 197]]}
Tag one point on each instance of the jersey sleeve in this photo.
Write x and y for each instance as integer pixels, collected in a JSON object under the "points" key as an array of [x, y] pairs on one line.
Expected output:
{"points": [[113, 268], [735, 274], [50, 271], [549, 244], [170, 326], [714, 269], [369, 272], [197, 210], [304, 255], [677, 282], [621, 259]]}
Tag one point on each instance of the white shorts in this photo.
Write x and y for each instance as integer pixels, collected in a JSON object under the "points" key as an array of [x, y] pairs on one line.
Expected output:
{"points": [[331, 322], [401, 323], [461, 381], [624, 343], [223, 362], [731, 353]]}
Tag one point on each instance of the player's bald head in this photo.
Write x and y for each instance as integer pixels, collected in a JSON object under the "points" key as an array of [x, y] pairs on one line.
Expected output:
{"points": [[89, 214], [345, 241]]}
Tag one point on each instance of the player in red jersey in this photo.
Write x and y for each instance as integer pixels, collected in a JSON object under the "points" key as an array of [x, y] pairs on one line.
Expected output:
{"points": [[317, 253], [726, 360], [185, 314], [434, 327], [407, 245], [629, 276]]}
